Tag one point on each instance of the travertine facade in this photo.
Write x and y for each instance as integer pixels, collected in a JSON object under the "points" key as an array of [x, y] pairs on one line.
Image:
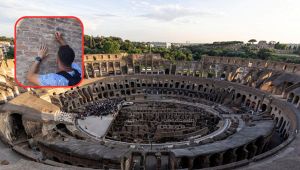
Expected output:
{"points": [[274, 77]]}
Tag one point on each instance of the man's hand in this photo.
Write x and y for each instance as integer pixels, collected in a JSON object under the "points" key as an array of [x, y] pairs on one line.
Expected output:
{"points": [[32, 75], [43, 52], [60, 39]]}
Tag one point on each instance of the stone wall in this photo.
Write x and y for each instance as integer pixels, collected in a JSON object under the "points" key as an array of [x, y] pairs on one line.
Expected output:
{"points": [[5, 130], [31, 32], [107, 64], [1, 54]]}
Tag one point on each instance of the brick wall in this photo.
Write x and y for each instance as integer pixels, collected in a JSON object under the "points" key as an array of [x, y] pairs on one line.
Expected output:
{"points": [[31, 32]]}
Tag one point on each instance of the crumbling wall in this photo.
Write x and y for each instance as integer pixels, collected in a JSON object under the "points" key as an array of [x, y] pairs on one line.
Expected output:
{"points": [[32, 32], [32, 128], [1, 54], [5, 129]]}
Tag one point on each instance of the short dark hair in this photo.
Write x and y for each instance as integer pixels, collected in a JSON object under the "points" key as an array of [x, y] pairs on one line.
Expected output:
{"points": [[66, 55]]}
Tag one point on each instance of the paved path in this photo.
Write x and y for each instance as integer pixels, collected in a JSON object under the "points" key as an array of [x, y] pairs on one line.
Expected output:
{"points": [[6, 153], [286, 159], [96, 126], [30, 165]]}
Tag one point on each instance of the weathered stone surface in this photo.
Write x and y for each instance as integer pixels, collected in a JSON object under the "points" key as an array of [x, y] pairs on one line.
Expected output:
{"points": [[4, 162]]}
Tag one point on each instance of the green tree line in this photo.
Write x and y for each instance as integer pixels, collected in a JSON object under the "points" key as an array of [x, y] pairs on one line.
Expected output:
{"points": [[189, 52], [101, 44], [93, 45]]}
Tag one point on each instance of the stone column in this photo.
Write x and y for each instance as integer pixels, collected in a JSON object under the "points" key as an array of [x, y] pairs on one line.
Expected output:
{"points": [[85, 71], [174, 163], [202, 69], [158, 160], [294, 99], [252, 150], [261, 146], [191, 163], [114, 67], [94, 72], [228, 157], [16, 91], [244, 153], [123, 163], [151, 64], [219, 159], [146, 66], [107, 68], [205, 162], [284, 92], [144, 156], [140, 69], [133, 67], [100, 69], [269, 104], [261, 102]]}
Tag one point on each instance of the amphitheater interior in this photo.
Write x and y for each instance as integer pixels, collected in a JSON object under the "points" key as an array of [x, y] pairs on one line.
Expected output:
{"points": [[144, 112]]}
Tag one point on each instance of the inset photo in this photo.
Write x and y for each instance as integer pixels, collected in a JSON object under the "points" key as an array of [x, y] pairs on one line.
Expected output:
{"points": [[48, 51]]}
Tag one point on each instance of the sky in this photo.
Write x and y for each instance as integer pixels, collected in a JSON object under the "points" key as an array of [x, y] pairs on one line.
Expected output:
{"points": [[195, 21]]}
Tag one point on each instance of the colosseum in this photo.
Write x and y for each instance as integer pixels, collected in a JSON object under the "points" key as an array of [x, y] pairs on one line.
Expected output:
{"points": [[144, 112]]}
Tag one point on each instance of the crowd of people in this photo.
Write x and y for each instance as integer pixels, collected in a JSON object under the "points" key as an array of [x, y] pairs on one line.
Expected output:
{"points": [[65, 117], [102, 107]]}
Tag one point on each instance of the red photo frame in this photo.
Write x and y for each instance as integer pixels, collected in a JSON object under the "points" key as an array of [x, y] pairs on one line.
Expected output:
{"points": [[82, 49]]}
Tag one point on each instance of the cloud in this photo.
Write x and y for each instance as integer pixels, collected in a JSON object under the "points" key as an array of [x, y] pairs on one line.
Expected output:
{"points": [[105, 15], [6, 6], [174, 12], [139, 3]]}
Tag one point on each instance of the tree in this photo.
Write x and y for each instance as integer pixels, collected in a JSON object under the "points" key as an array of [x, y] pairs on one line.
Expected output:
{"points": [[252, 41], [9, 39], [10, 53], [92, 42], [248, 52], [111, 47], [197, 56], [168, 56], [179, 55], [214, 52], [127, 46], [264, 54], [297, 50], [99, 42], [87, 40], [134, 51], [87, 50], [279, 46]]}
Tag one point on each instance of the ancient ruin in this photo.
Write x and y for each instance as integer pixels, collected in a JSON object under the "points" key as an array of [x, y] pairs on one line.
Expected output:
{"points": [[144, 112]]}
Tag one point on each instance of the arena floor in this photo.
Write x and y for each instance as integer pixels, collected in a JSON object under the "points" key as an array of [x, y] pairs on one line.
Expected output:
{"points": [[96, 126]]}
